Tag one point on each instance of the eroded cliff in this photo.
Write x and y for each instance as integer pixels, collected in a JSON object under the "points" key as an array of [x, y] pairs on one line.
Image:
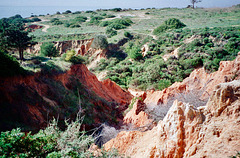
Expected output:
{"points": [[195, 89], [31, 101], [187, 129]]}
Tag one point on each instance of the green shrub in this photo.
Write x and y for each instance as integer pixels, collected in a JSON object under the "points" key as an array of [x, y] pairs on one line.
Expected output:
{"points": [[48, 49], [164, 83], [110, 16], [56, 21], [100, 42], [50, 142], [77, 60], [117, 26], [77, 12], [80, 19], [116, 9], [117, 23], [110, 32], [171, 23], [89, 11], [67, 12], [104, 23], [127, 34], [95, 20], [36, 19], [70, 54], [135, 53]]}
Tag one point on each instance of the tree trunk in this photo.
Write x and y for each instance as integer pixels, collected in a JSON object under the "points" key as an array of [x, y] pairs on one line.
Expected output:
{"points": [[193, 5], [20, 54]]}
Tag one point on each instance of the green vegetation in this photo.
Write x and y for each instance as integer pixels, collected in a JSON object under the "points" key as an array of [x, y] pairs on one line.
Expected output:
{"points": [[48, 49], [73, 23], [9, 66], [114, 25], [71, 57], [56, 21], [100, 42], [197, 18], [14, 36], [145, 49], [50, 142], [67, 12], [204, 47], [172, 23]]}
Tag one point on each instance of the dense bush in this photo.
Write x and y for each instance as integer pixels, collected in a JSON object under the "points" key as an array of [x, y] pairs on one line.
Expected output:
{"points": [[135, 53], [77, 12], [56, 21], [110, 16], [77, 60], [171, 23], [163, 84], [100, 42], [67, 12], [95, 20], [36, 19], [70, 54], [149, 72], [48, 49], [18, 19], [116, 9], [118, 23], [73, 23], [50, 142], [127, 34], [110, 32]]}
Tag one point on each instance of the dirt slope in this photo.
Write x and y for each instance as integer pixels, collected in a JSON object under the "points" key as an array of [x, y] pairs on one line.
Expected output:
{"points": [[209, 131], [31, 101]]}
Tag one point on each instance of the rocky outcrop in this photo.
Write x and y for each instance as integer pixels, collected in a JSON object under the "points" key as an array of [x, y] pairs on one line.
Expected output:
{"points": [[199, 80], [82, 47], [137, 117], [195, 89], [31, 101], [208, 131]]}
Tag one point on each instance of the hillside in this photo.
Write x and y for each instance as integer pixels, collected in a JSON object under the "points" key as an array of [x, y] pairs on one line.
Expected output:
{"points": [[147, 83], [141, 57]]}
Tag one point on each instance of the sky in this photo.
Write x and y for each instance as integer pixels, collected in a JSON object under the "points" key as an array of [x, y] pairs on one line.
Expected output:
{"points": [[119, 3]]}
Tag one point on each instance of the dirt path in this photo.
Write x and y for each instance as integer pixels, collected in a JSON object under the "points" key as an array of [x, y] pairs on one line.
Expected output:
{"points": [[44, 25]]}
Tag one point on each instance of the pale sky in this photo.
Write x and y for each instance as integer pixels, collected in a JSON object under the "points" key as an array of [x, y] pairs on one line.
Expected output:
{"points": [[119, 3]]}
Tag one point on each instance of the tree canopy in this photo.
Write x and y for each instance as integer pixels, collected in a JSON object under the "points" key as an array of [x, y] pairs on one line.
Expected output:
{"points": [[14, 36]]}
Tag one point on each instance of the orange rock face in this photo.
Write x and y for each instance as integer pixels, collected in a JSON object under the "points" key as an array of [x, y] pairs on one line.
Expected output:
{"points": [[186, 131], [33, 100], [198, 80], [106, 89], [137, 117], [211, 131]]}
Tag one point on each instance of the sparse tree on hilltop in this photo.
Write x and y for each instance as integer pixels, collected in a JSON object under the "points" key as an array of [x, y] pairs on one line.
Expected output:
{"points": [[195, 1]]}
